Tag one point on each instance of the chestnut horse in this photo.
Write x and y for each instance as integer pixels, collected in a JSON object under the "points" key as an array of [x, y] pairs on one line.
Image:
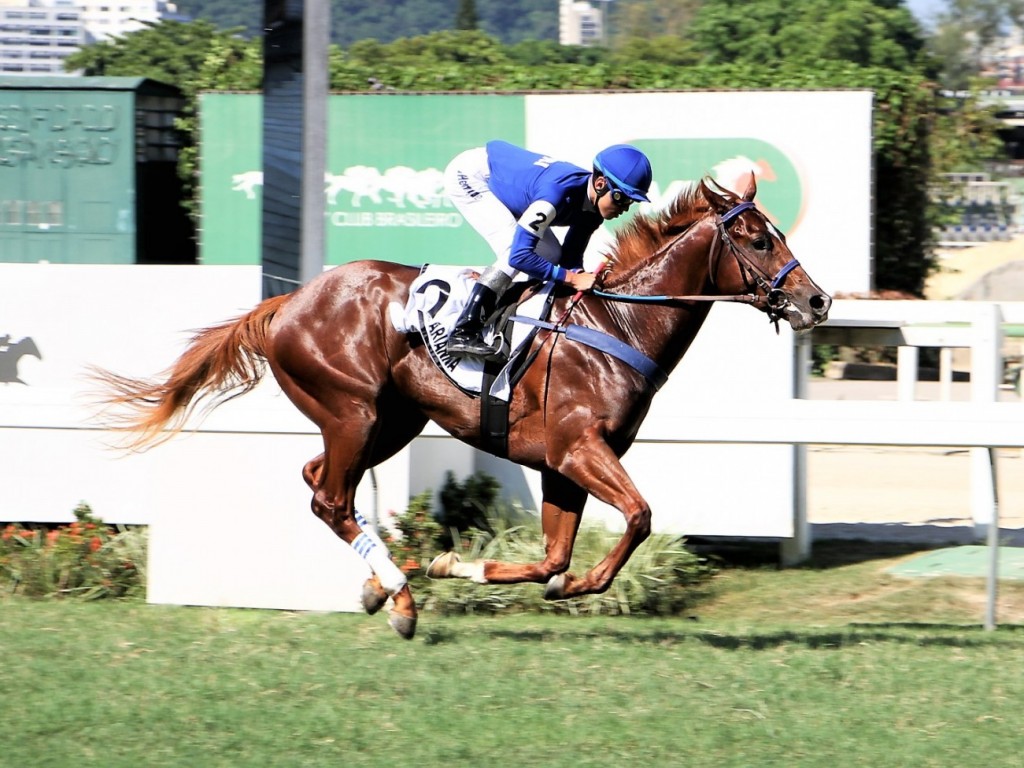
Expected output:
{"points": [[371, 389]]}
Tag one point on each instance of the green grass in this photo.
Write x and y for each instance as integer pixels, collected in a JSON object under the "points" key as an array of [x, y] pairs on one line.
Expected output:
{"points": [[836, 665]]}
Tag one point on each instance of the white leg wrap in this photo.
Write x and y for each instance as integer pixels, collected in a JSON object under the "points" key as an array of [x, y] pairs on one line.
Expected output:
{"points": [[474, 571], [369, 546]]}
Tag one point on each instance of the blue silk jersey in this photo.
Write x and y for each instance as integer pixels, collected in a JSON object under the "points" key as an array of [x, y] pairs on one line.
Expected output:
{"points": [[541, 192]]}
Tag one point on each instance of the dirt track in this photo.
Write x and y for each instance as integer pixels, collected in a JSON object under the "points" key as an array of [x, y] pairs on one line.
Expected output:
{"points": [[901, 487]]}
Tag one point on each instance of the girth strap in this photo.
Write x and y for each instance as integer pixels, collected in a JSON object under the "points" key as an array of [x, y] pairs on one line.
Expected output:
{"points": [[493, 414], [602, 342]]}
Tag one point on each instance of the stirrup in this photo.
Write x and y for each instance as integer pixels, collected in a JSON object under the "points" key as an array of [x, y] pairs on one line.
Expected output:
{"points": [[465, 344]]}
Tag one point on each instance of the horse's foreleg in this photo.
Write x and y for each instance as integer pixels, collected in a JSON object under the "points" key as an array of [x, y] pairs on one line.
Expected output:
{"points": [[560, 520], [596, 468]]}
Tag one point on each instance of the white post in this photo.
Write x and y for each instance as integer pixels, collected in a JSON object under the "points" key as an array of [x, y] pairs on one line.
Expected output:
{"points": [[798, 548], [992, 590], [986, 370], [946, 374], [906, 374]]}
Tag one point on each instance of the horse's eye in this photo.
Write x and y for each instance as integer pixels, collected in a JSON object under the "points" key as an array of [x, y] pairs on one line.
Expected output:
{"points": [[762, 244]]}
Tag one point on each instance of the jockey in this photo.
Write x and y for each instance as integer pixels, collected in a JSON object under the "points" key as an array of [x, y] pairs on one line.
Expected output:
{"points": [[512, 197]]}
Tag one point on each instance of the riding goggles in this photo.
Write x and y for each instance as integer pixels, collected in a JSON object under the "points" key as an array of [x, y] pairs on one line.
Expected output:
{"points": [[620, 199]]}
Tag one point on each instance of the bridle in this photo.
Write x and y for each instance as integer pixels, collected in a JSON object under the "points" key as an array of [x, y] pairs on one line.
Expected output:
{"points": [[773, 298]]}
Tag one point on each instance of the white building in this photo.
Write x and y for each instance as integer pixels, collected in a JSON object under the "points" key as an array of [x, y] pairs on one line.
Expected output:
{"points": [[35, 38], [580, 22], [37, 35], [104, 19]]}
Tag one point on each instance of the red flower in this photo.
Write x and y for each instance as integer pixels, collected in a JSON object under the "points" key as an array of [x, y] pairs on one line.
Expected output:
{"points": [[52, 536], [95, 543]]}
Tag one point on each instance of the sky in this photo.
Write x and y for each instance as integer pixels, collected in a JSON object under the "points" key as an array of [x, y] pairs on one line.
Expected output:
{"points": [[926, 10]]}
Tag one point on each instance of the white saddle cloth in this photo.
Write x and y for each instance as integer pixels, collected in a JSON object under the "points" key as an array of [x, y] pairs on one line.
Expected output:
{"points": [[436, 299]]}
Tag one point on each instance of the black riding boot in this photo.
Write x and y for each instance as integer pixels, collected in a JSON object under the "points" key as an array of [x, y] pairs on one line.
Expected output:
{"points": [[466, 337]]}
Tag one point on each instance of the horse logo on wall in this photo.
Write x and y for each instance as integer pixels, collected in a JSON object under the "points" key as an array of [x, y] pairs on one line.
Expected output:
{"points": [[10, 353]]}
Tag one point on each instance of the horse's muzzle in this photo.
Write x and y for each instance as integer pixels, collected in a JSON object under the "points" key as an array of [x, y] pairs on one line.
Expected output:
{"points": [[803, 313]]}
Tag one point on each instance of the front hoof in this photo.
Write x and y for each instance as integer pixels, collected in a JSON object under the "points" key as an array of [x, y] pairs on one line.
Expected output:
{"points": [[555, 590], [405, 626], [441, 566], [373, 596]]}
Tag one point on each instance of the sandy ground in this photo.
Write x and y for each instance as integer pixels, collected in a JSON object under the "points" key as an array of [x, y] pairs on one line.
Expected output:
{"points": [[962, 271], [886, 492]]}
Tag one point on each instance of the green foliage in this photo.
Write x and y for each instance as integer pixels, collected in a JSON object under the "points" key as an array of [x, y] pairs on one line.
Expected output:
{"points": [[649, 19], [168, 51], [419, 536], [423, 533], [821, 356], [661, 578], [964, 30], [660, 45], [194, 57], [86, 559], [466, 17], [354, 20], [466, 505], [804, 33]]}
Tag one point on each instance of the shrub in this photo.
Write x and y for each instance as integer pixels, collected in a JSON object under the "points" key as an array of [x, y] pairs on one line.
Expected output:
{"points": [[661, 578], [86, 559]]}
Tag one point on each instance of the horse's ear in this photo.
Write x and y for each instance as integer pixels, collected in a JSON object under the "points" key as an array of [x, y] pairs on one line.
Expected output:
{"points": [[718, 202], [751, 188]]}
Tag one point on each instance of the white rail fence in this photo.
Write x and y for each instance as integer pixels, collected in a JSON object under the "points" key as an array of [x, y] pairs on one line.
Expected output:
{"points": [[229, 513]]}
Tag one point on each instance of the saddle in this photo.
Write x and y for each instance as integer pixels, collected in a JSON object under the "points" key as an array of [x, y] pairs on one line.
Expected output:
{"points": [[436, 299]]}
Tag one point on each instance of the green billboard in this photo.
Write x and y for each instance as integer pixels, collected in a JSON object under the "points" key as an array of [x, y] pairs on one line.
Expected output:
{"points": [[67, 162], [384, 192], [383, 187]]}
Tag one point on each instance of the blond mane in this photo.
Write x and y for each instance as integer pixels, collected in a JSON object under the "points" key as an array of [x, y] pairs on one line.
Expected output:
{"points": [[642, 237]]}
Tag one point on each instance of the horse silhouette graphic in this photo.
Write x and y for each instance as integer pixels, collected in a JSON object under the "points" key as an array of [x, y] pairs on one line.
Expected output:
{"points": [[11, 353], [398, 186]]}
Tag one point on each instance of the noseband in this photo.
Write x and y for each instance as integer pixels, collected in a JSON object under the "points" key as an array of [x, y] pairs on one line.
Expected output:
{"points": [[754, 277]]}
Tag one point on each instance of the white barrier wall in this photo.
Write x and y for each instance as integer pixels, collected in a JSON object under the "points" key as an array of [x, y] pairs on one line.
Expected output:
{"points": [[228, 510], [229, 513]]}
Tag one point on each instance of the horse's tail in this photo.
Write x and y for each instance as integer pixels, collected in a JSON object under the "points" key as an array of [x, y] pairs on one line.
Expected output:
{"points": [[221, 362]]}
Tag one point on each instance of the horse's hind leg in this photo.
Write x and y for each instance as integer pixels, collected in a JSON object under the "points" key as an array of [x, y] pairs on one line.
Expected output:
{"points": [[374, 596], [334, 503]]}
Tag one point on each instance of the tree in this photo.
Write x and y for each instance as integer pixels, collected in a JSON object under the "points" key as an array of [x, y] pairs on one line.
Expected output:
{"points": [[466, 18], [759, 44], [877, 33], [646, 19], [511, 21], [194, 56], [963, 34]]}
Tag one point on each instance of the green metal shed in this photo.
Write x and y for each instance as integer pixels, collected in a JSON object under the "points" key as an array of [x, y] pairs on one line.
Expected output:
{"points": [[88, 171]]}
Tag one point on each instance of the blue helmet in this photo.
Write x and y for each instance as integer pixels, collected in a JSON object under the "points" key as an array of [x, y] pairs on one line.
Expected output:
{"points": [[627, 168]]}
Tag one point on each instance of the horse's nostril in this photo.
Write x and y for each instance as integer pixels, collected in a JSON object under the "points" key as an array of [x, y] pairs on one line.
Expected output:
{"points": [[820, 303]]}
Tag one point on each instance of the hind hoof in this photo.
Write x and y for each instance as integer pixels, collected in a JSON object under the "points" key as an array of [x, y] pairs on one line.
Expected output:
{"points": [[405, 626], [373, 596], [555, 590], [441, 566]]}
